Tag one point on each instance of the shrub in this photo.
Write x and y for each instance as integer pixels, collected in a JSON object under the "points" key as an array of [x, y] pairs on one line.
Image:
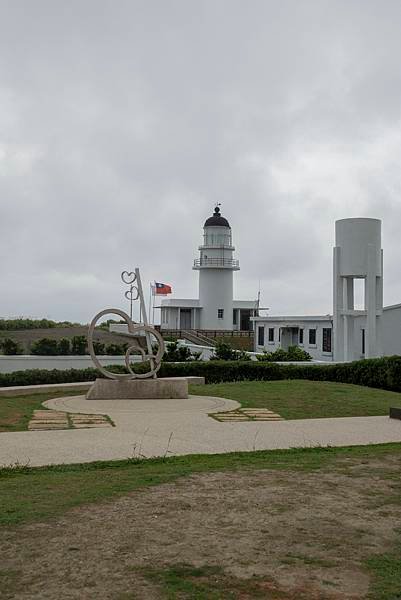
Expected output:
{"points": [[294, 353], [382, 373], [176, 353], [223, 351], [64, 347], [116, 349], [99, 348], [10, 347], [78, 345], [44, 347], [297, 353]]}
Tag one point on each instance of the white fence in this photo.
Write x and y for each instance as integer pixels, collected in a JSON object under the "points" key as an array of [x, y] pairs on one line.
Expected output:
{"points": [[9, 364]]}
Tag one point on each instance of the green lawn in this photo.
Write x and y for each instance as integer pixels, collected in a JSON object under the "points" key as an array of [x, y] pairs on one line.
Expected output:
{"points": [[302, 399], [36, 493], [292, 399], [16, 411]]}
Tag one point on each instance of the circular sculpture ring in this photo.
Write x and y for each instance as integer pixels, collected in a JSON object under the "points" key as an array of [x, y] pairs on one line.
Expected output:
{"points": [[154, 359]]}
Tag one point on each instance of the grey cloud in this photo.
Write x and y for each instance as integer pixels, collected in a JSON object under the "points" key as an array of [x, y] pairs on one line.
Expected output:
{"points": [[121, 124]]}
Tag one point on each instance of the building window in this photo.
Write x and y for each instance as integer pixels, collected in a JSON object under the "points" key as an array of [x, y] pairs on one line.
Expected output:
{"points": [[363, 341], [261, 336], [326, 345], [220, 313], [271, 334], [301, 337], [312, 337], [234, 316]]}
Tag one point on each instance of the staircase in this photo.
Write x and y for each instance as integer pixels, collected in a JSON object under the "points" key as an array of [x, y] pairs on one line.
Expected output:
{"points": [[198, 338]]}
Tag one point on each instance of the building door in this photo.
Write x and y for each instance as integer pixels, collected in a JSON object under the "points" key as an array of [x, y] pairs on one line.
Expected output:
{"points": [[285, 337], [185, 318], [289, 337], [245, 324]]}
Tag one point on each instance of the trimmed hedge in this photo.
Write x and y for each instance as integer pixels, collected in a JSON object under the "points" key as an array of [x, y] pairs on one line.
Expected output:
{"points": [[382, 373]]}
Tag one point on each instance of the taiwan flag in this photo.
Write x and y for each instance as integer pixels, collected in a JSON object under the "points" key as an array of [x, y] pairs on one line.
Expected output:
{"points": [[161, 289]]}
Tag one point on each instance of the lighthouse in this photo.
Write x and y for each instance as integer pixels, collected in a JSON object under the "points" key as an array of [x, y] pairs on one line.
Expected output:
{"points": [[216, 266], [214, 310]]}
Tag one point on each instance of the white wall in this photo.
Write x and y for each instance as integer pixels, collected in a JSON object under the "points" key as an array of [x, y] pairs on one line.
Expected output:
{"points": [[216, 291], [314, 350], [9, 364], [206, 351], [391, 331], [389, 339]]}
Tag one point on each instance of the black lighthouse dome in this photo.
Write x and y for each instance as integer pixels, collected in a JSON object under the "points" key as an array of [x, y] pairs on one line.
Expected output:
{"points": [[216, 220]]}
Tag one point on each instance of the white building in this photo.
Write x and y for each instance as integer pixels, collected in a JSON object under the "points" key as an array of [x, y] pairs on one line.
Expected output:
{"points": [[215, 309], [348, 334]]}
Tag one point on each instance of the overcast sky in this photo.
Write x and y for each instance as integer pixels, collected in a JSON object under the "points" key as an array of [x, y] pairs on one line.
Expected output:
{"points": [[122, 123]]}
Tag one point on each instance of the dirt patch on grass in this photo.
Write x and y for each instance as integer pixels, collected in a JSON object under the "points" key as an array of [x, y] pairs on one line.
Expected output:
{"points": [[245, 534]]}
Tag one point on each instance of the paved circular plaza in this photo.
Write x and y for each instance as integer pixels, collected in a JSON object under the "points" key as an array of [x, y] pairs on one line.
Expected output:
{"points": [[151, 428]]}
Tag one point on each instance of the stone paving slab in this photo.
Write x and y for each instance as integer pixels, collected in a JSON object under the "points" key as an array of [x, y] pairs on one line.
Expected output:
{"points": [[46, 413], [88, 419], [54, 419], [247, 414], [89, 425], [43, 426], [64, 423]]}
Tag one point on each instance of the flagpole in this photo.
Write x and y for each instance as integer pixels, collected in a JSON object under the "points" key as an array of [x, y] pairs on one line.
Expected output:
{"points": [[145, 321], [150, 298], [153, 313]]}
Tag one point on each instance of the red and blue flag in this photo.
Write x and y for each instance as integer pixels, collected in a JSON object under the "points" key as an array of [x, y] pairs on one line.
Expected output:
{"points": [[161, 289]]}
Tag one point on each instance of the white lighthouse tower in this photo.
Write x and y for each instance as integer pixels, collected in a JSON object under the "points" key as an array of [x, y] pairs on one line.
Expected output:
{"points": [[216, 266], [215, 309]]}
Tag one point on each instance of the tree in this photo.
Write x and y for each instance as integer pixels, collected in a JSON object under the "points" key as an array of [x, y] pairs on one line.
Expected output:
{"points": [[99, 348], [78, 345], [45, 347], [64, 346], [10, 347]]}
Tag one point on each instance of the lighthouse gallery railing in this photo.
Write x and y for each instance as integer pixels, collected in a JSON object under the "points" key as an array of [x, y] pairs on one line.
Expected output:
{"points": [[216, 262]]}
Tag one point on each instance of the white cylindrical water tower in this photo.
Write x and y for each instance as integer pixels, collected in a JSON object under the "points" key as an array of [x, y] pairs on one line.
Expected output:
{"points": [[357, 255], [216, 266]]}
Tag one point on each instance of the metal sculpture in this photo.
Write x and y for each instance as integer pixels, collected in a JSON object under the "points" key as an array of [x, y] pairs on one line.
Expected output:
{"points": [[129, 277], [136, 331]]}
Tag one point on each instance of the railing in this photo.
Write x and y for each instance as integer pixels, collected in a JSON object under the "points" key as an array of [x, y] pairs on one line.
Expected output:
{"points": [[216, 262], [217, 246], [197, 338], [211, 333]]}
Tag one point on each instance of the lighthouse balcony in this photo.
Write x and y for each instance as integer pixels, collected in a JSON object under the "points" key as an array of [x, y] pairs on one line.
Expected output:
{"points": [[220, 263], [216, 245]]}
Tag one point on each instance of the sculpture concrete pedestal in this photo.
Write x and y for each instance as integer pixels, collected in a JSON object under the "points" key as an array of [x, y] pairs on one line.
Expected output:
{"points": [[136, 389]]}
